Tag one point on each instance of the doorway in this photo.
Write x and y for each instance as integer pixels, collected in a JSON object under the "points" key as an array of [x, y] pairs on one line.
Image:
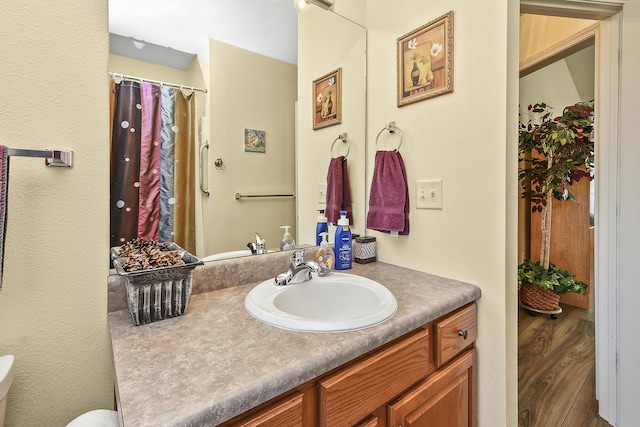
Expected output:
{"points": [[557, 357]]}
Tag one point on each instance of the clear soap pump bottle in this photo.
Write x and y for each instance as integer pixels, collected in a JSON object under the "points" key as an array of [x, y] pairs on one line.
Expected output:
{"points": [[287, 241], [325, 256]]}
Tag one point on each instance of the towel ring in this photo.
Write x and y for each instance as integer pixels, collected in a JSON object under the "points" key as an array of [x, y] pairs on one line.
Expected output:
{"points": [[342, 137], [392, 128]]}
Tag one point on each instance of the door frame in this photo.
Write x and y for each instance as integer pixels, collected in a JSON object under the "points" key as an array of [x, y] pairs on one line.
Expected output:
{"points": [[607, 46]]}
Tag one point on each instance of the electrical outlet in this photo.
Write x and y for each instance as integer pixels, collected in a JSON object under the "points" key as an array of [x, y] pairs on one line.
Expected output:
{"points": [[322, 193], [429, 194]]}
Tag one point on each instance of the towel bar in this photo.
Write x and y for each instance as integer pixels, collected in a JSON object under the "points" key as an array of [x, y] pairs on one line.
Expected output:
{"points": [[243, 196], [392, 128], [51, 157], [342, 137]]}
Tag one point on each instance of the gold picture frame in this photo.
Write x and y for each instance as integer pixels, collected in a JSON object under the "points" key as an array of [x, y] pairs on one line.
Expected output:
{"points": [[425, 61], [327, 100]]}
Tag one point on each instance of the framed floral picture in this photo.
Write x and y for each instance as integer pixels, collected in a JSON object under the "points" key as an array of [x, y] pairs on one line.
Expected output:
{"points": [[425, 61], [327, 100]]}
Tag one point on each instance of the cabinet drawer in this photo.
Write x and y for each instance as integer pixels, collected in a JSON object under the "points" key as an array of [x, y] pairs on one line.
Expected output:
{"points": [[454, 333], [358, 390], [287, 413]]}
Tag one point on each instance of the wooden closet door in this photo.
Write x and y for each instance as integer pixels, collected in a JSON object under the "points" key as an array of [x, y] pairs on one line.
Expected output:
{"points": [[570, 241]]}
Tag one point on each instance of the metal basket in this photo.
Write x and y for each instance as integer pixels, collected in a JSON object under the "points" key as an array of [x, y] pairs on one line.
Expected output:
{"points": [[158, 293]]}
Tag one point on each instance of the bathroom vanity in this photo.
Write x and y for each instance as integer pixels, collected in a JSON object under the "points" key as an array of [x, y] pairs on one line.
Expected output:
{"points": [[217, 365]]}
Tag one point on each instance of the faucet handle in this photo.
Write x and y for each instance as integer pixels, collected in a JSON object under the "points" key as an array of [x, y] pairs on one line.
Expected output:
{"points": [[298, 257]]}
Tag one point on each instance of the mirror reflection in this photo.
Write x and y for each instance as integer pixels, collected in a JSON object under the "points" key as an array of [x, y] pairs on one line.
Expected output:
{"points": [[242, 131]]}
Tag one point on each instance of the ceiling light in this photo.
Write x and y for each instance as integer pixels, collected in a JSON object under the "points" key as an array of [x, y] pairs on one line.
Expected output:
{"points": [[303, 5]]}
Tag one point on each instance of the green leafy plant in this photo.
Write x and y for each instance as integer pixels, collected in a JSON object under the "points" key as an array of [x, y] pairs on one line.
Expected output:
{"points": [[554, 153], [558, 280]]}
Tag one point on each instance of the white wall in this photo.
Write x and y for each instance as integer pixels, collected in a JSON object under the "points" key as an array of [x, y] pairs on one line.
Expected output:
{"points": [[53, 305], [468, 138], [629, 213], [552, 85]]}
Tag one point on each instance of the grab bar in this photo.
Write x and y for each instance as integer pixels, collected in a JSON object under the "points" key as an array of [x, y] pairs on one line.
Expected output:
{"points": [[202, 147], [248, 196]]}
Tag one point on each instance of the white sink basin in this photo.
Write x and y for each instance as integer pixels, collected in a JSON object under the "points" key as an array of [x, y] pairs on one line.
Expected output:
{"points": [[338, 303], [227, 255]]}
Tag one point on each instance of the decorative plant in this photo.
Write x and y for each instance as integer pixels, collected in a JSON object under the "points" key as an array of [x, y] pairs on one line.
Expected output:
{"points": [[554, 152]]}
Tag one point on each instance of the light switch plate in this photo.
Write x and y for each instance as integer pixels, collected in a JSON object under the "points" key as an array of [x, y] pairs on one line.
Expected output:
{"points": [[429, 194], [322, 193]]}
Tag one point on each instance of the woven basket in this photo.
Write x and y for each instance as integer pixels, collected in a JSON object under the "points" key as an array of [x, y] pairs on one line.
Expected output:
{"points": [[539, 298]]}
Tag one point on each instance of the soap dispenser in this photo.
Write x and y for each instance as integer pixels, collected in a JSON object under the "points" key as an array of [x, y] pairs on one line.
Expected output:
{"points": [[325, 256], [287, 241]]}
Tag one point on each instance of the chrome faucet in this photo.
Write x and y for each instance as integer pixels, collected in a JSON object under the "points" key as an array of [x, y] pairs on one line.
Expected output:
{"points": [[259, 247], [299, 271]]}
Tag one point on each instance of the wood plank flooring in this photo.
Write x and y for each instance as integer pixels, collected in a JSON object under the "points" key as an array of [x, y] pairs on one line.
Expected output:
{"points": [[556, 370]]}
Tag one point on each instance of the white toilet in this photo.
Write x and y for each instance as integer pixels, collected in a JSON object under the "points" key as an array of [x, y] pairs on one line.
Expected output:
{"points": [[6, 377], [96, 418]]}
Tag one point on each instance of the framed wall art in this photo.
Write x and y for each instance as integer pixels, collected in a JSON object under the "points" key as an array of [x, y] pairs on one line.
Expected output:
{"points": [[254, 141], [327, 100], [425, 61]]}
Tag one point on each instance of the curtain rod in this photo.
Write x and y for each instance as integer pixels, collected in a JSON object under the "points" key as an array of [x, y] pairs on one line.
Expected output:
{"points": [[158, 82]]}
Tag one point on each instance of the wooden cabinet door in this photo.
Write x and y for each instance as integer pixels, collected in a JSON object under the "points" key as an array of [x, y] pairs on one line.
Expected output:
{"points": [[356, 391], [446, 398], [287, 413]]}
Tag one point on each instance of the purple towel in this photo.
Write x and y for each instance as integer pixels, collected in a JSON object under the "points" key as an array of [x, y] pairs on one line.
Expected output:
{"points": [[338, 191], [389, 196], [4, 185]]}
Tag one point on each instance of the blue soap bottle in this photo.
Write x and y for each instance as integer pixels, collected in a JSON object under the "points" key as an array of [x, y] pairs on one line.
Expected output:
{"points": [[342, 243], [322, 227]]}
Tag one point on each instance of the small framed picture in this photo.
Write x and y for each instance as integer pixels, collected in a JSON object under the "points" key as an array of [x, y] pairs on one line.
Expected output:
{"points": [[327, 100], [254, 141], [425, 61]]}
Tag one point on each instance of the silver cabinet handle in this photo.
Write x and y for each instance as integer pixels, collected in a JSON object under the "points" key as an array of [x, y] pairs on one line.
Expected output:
{"points": [[202, 147], [462, 334]]}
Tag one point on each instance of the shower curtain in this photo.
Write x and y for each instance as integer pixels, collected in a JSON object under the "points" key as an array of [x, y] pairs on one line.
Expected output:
{"points": [[152, 164]]}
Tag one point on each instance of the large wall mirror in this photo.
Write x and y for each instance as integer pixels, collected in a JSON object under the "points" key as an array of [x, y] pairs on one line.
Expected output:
{"points": [[251, 87]]}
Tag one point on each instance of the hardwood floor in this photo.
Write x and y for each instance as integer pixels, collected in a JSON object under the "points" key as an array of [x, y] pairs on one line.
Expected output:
{"points": [[556, 370]]}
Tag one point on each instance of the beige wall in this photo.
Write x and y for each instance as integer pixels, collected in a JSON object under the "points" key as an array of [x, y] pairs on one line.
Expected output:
{"points": [[53, 305], [133, 67], [468, 139], [249, 91]]}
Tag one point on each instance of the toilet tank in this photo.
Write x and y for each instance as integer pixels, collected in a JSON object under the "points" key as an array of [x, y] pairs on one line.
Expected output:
{"points": [[6, 377]]}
